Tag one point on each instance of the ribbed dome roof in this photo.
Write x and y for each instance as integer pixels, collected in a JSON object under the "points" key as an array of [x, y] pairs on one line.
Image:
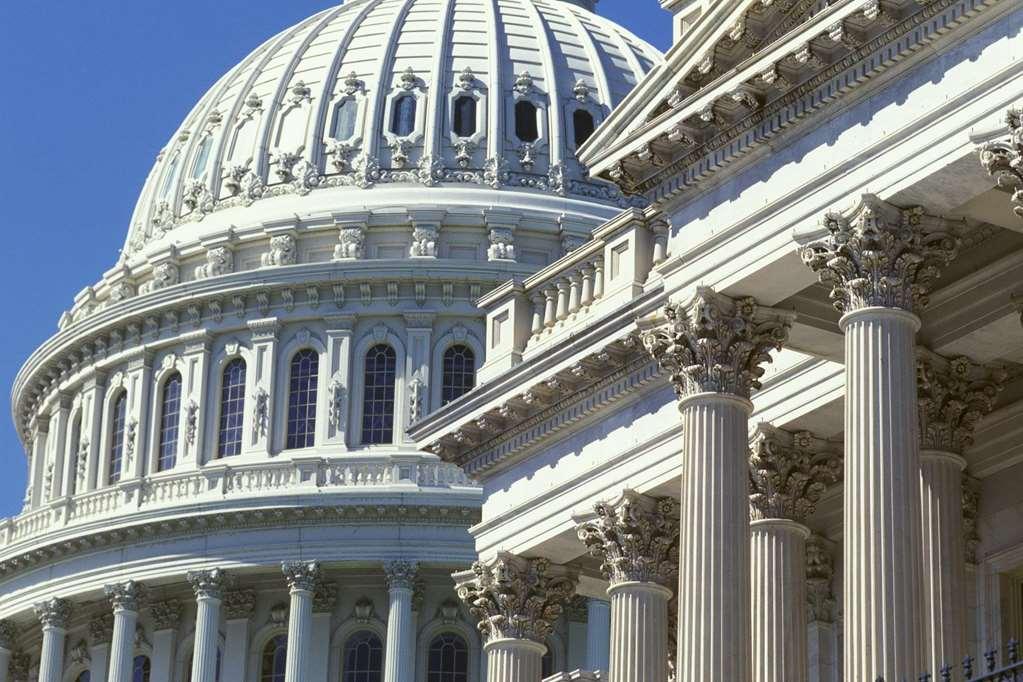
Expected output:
{"points": [[377, 91]]}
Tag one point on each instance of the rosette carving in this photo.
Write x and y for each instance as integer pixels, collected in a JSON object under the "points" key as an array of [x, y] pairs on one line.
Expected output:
{"points": [[954, 394], [789, 472], [636, 537], [717, 344], [301, 575], [126, 596], [820, 570], [401, 574], [878, 254], [1003, 160], [516, 598], [209, 584], [54, 612]]}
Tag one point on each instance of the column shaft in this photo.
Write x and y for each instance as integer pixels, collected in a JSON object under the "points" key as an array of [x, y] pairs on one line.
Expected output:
{"points": [[122, 646], [514, 660], [598, 635], [779, 600], [207, 634], [714, 571], [639, 632], [51, 661], [883, 586], [300, 623], [941, 490], [399, 653]]}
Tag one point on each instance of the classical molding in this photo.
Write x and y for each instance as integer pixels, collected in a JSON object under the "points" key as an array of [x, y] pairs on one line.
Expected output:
{"points": [[209, 583], [789, 472], [126, 596], [239, 604], [954, 395], [166, 614], [301, 575], [717, 344], [877, 254], [971, 507], [54, 612], [1003, 159], [636, 537], [516, 598], [820, 571], [324, 597], [401, 574]]}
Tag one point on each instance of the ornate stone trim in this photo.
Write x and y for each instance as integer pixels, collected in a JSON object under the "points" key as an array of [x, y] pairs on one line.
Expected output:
{"points": [[1003, 160], [239, 604], [209, 584], [516, 598], [54, 612], [8, 635], [820, 571], [166, 614], [636, 537], [971, 506], [126, 596], [878, 254], [301, 575], [101, 628], [717, 344], [954, 395], [401, 574], [325, 597], [789, 472]]}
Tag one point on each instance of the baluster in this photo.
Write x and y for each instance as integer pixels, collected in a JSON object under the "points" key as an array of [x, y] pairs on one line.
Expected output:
{"points": [[1013, 650], [946, 673], [574, 283], [587, 294], [549, 310], [925, 677], [598, 278], [660, 230], [538, 315], [968, 667], [562, 286], [989, 659]]}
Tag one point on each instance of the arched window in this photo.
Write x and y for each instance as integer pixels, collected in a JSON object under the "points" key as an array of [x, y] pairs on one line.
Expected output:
{"points": [[232, 409], [525, 121], [403, 118], [583, 125], [448, 659], [465, 116], [170, 420], [202, 157], [302, 399], [378, 399], [140, 669], [275, 654], [84, 676], [117, 427], [344, 119], [363, 658], [75, 450], [459, 375]]}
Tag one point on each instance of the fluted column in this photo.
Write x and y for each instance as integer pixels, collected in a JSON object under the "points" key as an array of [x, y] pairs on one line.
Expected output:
{"points": [[788, 474], [516, 601], [208, 586], [880, 261], [598, 635], [713, 348], [125, 598], [8, 640], [302, 577], [636, 538], [954, 395], [400, 649], [53, 615]]}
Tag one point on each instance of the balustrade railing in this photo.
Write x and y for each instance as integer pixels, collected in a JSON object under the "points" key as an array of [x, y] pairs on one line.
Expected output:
{"points": [[973, 670]]}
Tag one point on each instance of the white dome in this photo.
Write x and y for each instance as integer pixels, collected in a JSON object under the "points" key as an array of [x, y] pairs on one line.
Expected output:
{"points": [[315, 109]]}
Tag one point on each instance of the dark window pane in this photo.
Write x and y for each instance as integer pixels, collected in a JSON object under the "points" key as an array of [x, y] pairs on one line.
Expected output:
{"points": [[170, 419], [232, 409], [378, 398], [403, 118], [85, 676], [448, 659], [465, 116], [302, 400], [459, 375], [275, 654], [117, 424], [525, 122], [344, 120], [582, 123], [363, 658], [140, 669]]}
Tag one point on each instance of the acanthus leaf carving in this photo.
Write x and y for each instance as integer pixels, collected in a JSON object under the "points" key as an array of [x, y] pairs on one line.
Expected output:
{"points": [[283, 251], [401, 574], [954, 394], [820, 570], [1003, 160], [789, 472], [219, 261], [301, 575]]}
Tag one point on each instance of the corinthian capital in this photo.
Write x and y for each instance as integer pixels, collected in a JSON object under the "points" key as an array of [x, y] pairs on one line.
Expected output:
{"points": [[1003, 160], [953, 394], [401, 574], [516, 598], [636, 537], [209, 584], [717, 344], [878, 254], [54, 612], [126, 596], [820, 570], [789, 472], [301, 575]]}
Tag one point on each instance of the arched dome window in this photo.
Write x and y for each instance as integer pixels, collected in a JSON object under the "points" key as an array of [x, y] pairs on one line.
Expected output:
{"points": [[202, 157], [232, 409], [583, 126], [117, 427], [74, 452], [344, 120], [140, 669], [275, 655], [378, 398], [302, 399], [459, 375], [403, 119], [525, 121], [448, 659], [465, 116], [363, 658], [170, 419]]}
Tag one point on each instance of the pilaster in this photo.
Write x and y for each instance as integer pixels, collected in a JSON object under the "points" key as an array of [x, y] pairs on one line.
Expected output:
{"points": [[194, 375], [238, 607], [418, 330], [333, 425], [55, 477], [166, 617], [259, 417], [324, 600], [93, 396]]}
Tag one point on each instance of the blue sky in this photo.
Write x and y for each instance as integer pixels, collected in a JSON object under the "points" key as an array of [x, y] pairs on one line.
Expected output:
{"points": [[93, 90]]}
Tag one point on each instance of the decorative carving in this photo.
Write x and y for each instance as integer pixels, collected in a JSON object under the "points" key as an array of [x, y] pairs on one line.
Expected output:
{"points": [[408, 79], [495, 172], [19, 667], [219, 261], [502, 244], [401, 574], [130, 437], [340, 153], [8, 634], [577, 609], [197, 197], [789, 472], [418, 593], [527, 155], [820, 570], [636, 537], [336, 407], [80, 653], [415, 400], [241, 181], [352, 84], [449, 611], [953, 395], [466, 79], [283, 251], [516, 598], [101, 628], [878, 254], [301, 575], [239, 604], [971, 505], [279, 614], [424, 241], [464, 148], [191, 421], [717, 344], [261, 412], [209, 584], [523, 83], [1003, 160], [581, 91], [166, 614], [164, 275], [363, 611], [54, 613], [350, 243], [126, 596], [324, 598]]}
